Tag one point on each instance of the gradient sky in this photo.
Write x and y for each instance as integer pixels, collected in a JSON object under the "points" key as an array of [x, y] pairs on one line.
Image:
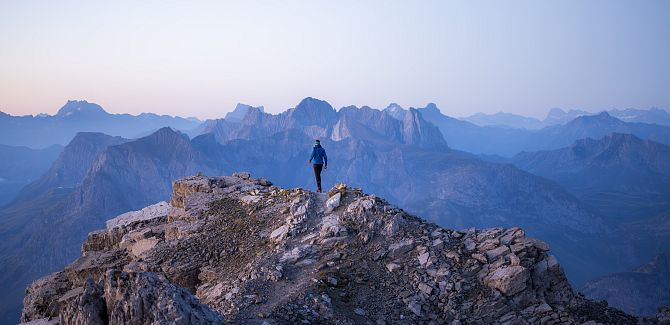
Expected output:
{"points": [[199, 58]]}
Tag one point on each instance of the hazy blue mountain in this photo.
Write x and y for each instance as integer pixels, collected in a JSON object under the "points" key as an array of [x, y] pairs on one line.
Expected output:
{"points": [[506, 142], [621, 175], [81, 116], [503, 119], [240, 111], [68, 170], [557, 116], [466, 136], [22, 165], [638, 292], [596, 127], [652, 116]]}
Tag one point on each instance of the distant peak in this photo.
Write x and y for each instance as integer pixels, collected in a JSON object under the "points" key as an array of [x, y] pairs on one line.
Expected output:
{"points": [[166, 130], [241, 111], [394, 107], [431, 107], [165, 135], [314, 103], [245, 107], [80, 106], [556, 110], [396, 111]]}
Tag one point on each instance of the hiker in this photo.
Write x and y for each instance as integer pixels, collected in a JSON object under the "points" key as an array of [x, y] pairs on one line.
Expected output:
{"points": [[319, 161]]}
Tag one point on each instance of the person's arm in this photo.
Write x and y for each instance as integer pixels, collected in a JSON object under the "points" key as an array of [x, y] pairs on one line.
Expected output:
{"points": [[311, 156], [325, 158]]}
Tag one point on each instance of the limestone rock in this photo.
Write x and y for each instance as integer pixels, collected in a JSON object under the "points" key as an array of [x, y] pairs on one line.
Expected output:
{"points": [[333, 202], [153, 211], [509, 280]]}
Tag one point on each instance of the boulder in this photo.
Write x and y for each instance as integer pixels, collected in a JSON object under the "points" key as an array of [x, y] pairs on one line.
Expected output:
{"points": [[157, 210], [333, 202], [509, 280]]}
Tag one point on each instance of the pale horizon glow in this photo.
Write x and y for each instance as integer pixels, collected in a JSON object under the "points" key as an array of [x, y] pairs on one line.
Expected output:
{"points": [[201, 58]]}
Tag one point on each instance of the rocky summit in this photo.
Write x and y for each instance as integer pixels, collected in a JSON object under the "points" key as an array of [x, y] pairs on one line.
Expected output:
{"points": [[235, 249]]}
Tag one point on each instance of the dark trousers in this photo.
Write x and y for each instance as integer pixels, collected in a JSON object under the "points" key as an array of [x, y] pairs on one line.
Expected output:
{"points": [[317, 173]]}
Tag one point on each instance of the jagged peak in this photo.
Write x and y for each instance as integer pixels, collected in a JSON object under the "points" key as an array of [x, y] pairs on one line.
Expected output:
{"points": [[394, 107], [241, 112], [245, 107]]}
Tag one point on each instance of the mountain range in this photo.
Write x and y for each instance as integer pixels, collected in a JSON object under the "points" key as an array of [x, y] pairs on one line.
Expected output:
{"points": [[558, 116], [75, 116], [407, 156], [506, 142], [620, 174]]}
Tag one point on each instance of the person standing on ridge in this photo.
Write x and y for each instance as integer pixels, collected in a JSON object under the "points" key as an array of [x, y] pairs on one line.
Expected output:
{"points": [[319, 161]]}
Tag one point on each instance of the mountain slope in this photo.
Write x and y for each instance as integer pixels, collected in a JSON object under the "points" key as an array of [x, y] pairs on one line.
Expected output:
{"points": [[639, 292], [71, 166], [236, 249], [42, 234], [620, 174], [21, 165]]}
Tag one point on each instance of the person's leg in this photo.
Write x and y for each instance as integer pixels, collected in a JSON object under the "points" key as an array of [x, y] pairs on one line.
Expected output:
{"points": [[317, 175]]}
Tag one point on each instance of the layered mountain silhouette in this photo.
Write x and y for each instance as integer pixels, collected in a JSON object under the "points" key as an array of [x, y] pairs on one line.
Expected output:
{"points": [[21, 165], [492, 140], [507, 120], [81, 116], [558, 116], [406, 156], [620, 174]]}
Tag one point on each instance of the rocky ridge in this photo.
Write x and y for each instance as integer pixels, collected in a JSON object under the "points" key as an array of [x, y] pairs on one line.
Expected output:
{"points": [[240, 250]]}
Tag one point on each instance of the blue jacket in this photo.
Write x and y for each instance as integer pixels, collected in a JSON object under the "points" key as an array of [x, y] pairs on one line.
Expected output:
{"points": [[318, 156]]}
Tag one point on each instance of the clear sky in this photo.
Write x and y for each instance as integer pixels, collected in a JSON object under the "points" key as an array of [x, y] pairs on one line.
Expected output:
{"points": [[199, 58]]}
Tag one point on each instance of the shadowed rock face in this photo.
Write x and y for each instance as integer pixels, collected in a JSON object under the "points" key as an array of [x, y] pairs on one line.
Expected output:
{"points": [[239, 250]]}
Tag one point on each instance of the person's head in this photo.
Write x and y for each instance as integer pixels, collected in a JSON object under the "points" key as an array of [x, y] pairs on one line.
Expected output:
{"points": [[317, 143]]}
